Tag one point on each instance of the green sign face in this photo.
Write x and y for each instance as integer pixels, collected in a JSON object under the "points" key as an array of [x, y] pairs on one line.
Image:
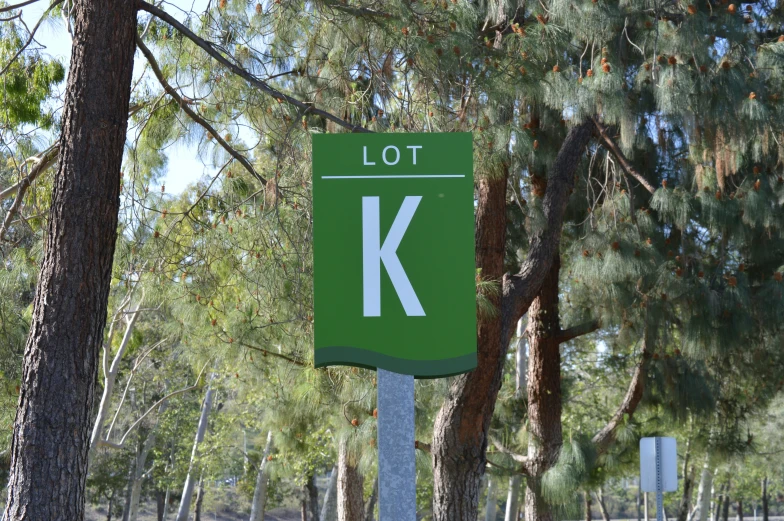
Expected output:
{"points": [[393, 242]]}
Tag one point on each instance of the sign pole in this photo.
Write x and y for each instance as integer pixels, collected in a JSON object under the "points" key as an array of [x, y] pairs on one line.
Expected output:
{"points": [[396, 466], [659, 484]]}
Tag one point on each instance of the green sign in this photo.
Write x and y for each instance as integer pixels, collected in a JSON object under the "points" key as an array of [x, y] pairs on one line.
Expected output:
{"points": [[393, 242]]}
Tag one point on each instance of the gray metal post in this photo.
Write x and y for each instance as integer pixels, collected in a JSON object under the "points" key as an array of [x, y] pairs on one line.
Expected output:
{"points": [[396, 466], [659, 484]]}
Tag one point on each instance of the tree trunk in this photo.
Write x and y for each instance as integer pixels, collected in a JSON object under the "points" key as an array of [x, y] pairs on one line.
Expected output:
{"points": [[460, 430], [129, 493], [491, 508], [303, 509], [740, 510], [312, 491], [602, 506], [160, 501], [329, 511], [141, 463], [587, 502], [702, 512], [639, 500], [687, 472], [110, 377], [166, 500], [109, 510], [187, 489], [718, 504], [725, 507], [350, 504], [765, 510], [513, 499], [370, 504], [521, 360], [51, 438], [544, 392], [259, 503], [200, 499]]}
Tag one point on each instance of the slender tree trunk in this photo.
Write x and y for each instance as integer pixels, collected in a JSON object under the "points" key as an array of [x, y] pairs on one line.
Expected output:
{"points": [[602, 506], [303, 509], [160, 501], [350, 503], [739, 516], [141, 463], [129, 492], [110, 377], [687, 472], [329, 510], [259, 504], [491, 507], [718, 504], [111, 504], [190, 480], [51, 438], [312, 492], [587, 506], [725, 507], [521, 359], [765, 510], [462, 423], [513, 499], [639, 500], [166, 500], [370, 504], [702, 513], [200, 499], [544, 392]]}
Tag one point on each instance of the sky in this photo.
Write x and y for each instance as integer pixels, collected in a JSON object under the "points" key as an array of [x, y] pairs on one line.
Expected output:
{"points": [[184, 166]]}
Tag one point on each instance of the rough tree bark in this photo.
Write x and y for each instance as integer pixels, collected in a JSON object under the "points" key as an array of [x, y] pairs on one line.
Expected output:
{"points": [[49, 450], [460, 433], [190, 480], [350, 503], [260, 492], [544, 392]]}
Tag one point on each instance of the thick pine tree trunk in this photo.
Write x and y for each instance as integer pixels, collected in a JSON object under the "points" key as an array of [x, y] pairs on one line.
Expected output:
{"points": [[460, 434], [460, 431], [350, 502], [544, 392], [51, 437]]}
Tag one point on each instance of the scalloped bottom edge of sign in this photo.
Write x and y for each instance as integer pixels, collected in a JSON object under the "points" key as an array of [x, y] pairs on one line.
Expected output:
{"points": [[355, 357]]}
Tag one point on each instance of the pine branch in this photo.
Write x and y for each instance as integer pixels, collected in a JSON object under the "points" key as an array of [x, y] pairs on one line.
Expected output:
{"points": [[522, 460], [521, 289], [263, 86], [626, 166], [30, 38], [171, 91], [571, 333], [606, 436], [273, 353], [16, 6], [43, 162]]}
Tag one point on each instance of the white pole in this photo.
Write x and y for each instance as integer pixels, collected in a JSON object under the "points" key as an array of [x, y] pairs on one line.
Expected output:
{"points": [[396, 465]]}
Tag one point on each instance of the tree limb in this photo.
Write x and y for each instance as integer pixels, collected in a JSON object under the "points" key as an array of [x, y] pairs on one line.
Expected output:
{"points": [[30, 39], [522, 460], [242, 73], [605, 437], [45, 161], [171, 91], [121, 444], [273, 353], [521, 289], [16, 6], [573, 332], [613, 147]]}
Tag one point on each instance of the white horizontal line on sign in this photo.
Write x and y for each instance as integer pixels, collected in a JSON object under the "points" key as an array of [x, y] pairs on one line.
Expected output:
{"points": [[401, 176]]}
